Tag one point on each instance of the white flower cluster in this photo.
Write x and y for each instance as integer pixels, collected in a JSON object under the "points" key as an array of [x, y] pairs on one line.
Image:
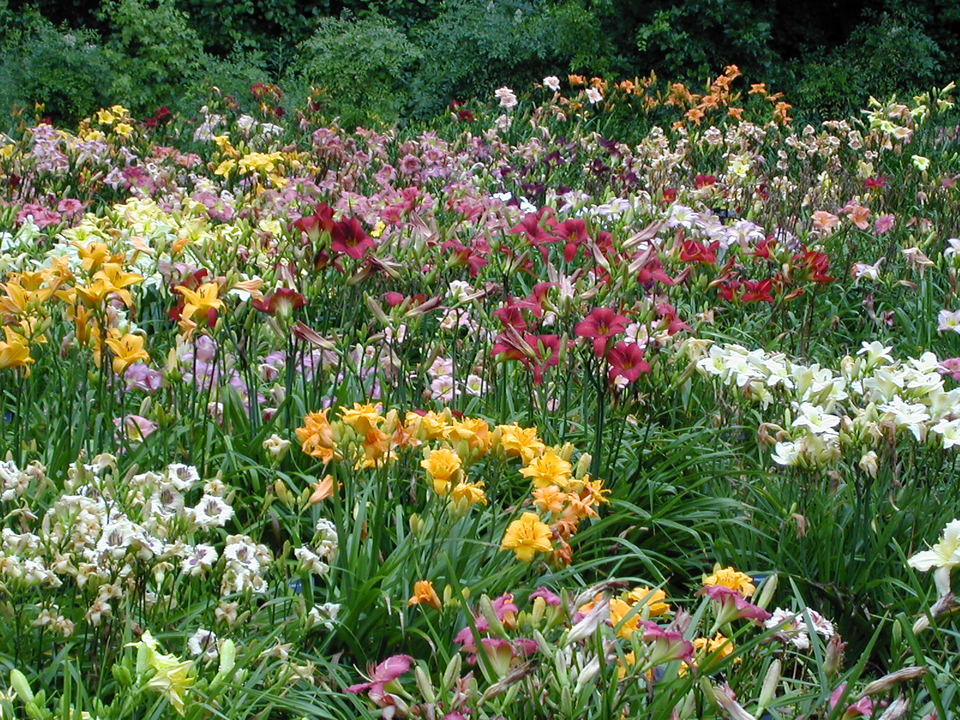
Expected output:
{"points": [[871, 398], [104, 533]]}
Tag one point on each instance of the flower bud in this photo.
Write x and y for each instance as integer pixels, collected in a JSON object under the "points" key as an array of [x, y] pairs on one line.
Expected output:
{"points": [[868, 463], [767, 591], [424, 685], [21, 685], [486, 608], [583, 465], [228, 657], [451, 674], [833, 662], [890, 680], [768, 690]]}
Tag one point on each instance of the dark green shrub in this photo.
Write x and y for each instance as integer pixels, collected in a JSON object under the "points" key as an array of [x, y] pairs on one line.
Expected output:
{"points": [[474, 46], [155, 50], [362, 66], [697, 39], [67, 71], [225, 26], [892, 55]]}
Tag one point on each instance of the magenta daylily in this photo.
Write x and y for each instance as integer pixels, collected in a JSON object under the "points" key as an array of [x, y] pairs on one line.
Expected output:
{"points": [[382, 675], [733, 605], [665, 645]]}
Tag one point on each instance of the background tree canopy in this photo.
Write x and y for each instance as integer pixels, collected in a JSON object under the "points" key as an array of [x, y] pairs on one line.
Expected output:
{"points": [[412, 57]]}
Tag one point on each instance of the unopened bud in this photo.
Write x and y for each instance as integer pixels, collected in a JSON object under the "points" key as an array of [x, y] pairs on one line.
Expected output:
{"points": [[767, 591], [451, 674], [770, 681], [21, 685], [583, 465], [486, 608], [868, 463], [228, 658], [424, 685], [888, 681]]}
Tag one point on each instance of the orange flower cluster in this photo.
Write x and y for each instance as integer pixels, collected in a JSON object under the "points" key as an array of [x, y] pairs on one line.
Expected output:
{"points": [[564, 494]]}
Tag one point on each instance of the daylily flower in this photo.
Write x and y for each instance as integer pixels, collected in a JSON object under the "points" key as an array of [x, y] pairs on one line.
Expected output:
{"points": [[424, 593], [600, 325], [665, 646], [348, 237], [527, 536], [941, 558], [733, 605], [127, 350], [283, 302], [172, 677], [627, 362], [382, 676]]}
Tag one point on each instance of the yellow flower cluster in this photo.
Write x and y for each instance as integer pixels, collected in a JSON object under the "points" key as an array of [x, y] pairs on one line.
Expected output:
{"points": [[565, 495]]}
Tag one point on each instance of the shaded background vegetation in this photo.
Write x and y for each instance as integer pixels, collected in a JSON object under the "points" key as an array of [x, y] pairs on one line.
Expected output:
{"points": [[389, 59]]}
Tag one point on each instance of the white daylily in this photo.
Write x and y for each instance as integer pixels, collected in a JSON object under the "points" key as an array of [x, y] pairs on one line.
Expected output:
{"points": [[949, 430], [944, 556], [815, 419], [907, 415]]}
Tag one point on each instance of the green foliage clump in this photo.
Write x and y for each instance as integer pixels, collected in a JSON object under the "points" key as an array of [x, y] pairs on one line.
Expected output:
{"points": [[360, 65], [693, 39], [66, 71], [879, 59], [473, 46], [155, 49]]}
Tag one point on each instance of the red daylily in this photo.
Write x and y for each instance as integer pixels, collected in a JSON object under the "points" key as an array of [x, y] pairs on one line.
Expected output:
{"points": [[348, 237], [282, 301], [468, 255], [627, 361], [818, 265], [320, 221], [764, 247], [512, 314], [574, 233], [536, 352], [535, 232], [758, 291], [599, 325], [692, 251], [668, 313], [653, 272]]}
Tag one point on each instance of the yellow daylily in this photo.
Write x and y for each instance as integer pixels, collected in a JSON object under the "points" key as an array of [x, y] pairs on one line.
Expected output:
{"points": [[200, 301], [527, 536], [127, 350], [14, 351]]}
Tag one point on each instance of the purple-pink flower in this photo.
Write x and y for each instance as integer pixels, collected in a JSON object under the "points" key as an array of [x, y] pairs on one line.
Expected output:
{"points": [[386, 672], [733, 605]]}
